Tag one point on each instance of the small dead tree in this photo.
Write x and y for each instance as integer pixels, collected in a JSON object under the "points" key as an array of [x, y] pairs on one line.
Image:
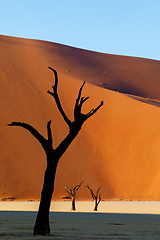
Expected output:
{"points": [[72, 191], [54, 154], [97, 198]]}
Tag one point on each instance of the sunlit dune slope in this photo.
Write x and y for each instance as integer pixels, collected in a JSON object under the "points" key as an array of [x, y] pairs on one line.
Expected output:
{"points": [[117, 149]]}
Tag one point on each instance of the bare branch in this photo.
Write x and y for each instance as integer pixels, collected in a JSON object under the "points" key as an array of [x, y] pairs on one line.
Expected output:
{"points": [[56, 97], [77, 107], [92, 194], [99, 198], [93, 111], [90, 112], [51, 93], [77, 187], [98, 191], [56, 79], [70, 191], [82, 101], [80, 92]]}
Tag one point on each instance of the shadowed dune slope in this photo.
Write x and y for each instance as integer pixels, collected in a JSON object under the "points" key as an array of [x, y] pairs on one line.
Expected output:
{"points": [[117, 149]]}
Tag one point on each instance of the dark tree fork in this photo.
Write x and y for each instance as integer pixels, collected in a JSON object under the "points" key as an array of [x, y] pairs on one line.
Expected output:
{"points": [[54, 154]]}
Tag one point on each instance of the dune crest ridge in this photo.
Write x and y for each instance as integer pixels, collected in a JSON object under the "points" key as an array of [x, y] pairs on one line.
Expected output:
{"points": [[118, 149]]}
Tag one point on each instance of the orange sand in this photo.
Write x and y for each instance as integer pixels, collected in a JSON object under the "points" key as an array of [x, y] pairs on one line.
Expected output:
{"points": [[117, 149]]}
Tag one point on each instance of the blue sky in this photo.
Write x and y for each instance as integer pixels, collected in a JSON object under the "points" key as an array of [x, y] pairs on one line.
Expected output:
{"points": [[123, 27]]}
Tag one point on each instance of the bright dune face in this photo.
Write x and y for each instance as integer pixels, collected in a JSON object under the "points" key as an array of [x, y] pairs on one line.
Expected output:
{"points": [[118, 148]]}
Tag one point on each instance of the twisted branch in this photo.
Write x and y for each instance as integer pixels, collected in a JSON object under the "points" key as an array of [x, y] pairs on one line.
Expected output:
{"points": [[56, 97]]}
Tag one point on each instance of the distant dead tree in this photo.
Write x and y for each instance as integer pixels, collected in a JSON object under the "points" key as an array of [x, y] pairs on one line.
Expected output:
{"points": [[54, 154], [97, 198], [72, 191]]}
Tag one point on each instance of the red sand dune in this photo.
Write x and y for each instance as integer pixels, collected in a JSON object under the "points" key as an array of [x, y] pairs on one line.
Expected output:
{"points": [[117, 149]]}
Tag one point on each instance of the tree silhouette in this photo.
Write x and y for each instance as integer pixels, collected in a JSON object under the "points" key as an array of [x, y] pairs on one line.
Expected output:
{"points": [[54, 154], [72, 191], [97, 198]]}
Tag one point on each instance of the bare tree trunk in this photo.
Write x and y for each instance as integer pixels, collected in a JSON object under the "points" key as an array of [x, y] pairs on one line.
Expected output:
{"points": [[42, 221], [96, 205], [73, 204]]}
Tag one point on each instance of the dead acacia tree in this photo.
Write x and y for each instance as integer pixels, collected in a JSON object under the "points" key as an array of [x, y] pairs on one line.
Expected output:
{"points": [[72, 191], [97, 198], [54, 154]]}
